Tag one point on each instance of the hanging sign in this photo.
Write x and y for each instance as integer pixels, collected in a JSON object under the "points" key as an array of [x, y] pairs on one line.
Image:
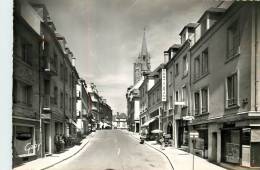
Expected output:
{"points": [[164, 85]]}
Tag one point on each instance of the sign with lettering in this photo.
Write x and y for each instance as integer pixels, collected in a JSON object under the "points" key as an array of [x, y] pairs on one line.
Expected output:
{"points": [[164, 85], [31, 147]]}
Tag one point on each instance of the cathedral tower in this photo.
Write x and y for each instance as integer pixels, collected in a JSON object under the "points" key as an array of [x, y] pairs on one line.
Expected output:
{"points": [[142, 63]]}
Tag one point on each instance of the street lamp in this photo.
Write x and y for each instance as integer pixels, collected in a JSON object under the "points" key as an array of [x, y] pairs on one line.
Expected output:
{"points": [[193, 135]]}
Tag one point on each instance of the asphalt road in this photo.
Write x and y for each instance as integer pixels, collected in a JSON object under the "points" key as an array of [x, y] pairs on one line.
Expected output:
{"points": [[115, 150]]}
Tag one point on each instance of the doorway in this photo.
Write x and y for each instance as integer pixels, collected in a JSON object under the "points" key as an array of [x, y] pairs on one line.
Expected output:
{"points": [[214, 146], [47, 138]]}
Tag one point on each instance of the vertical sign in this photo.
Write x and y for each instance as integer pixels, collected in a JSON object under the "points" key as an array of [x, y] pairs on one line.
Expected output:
{"points": [[164, 85]]}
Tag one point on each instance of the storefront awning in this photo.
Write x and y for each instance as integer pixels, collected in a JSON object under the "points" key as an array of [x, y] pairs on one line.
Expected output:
{"points": [[149, 121]]}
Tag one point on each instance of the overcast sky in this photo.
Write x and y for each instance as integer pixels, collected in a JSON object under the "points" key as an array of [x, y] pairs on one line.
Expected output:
{"points": [[106, 35]]}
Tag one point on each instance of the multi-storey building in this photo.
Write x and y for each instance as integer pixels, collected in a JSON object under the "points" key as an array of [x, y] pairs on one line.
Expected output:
{"points": [[44, 92], [120, 121], [83, 107], [213, 82], [26, 83]]}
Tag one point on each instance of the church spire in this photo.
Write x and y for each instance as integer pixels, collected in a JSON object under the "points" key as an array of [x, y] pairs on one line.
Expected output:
{"points": [[144, 46]]}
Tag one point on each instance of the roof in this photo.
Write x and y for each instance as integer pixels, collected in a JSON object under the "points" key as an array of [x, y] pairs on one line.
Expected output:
{"points": [[212, 10], [189, 25], [144, 46], [175, 46]]}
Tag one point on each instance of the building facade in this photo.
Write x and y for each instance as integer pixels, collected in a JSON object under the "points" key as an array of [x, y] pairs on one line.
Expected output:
{"points": [[44, 84], [212, 85]]}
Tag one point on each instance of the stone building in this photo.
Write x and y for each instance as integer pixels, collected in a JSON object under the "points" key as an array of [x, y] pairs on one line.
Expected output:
{"points": [[44, 93], [213, 83], [26, 83], [83, 108]]}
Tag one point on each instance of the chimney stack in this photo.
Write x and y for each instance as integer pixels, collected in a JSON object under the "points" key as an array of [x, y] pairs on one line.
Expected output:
{"points": [[166, 57]]}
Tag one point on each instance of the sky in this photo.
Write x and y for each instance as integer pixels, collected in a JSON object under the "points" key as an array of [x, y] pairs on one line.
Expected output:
{"points": [[106, 36]]}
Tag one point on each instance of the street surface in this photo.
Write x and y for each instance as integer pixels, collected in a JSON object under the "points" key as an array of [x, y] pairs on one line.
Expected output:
{"points": [[115, 150]]}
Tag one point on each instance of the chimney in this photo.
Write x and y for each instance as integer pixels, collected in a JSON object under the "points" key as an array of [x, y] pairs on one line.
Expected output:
{"points": [[166, 57]]}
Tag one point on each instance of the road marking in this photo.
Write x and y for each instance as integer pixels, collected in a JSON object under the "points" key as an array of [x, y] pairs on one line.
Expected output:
{"points": [[118, 151]]}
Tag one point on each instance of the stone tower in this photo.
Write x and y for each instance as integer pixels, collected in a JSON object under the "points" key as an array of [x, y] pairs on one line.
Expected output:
{"points": [[142, 63]]}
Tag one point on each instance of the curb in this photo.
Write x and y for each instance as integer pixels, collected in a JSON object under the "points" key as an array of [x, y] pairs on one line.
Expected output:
{"points": [[155, 149], [66, 158]]}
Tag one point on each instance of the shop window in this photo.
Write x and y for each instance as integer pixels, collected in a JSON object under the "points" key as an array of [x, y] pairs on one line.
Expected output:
{"points": [[232, 90], [23, 139]]}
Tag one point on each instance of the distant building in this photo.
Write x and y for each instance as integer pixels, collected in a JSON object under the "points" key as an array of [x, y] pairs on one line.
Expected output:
{"points": [[141, 67], [120, 121], [142, 63], [83, 107]]}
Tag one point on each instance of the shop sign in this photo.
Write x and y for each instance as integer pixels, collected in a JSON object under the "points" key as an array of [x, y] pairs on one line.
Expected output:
{"points": [[188, 118], [164, 85], [194, 134], [31, 147], [23, 136]]}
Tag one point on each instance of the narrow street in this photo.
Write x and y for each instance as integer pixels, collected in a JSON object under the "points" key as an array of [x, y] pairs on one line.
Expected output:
{"points": [[115, 150]]}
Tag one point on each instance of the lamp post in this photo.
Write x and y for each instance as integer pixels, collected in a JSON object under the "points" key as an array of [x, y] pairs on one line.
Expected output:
{"points": [[193, 135]]}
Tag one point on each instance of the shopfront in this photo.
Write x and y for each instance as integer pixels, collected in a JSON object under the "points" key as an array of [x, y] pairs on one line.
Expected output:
{"points": [[183, 134], [201, 145]]}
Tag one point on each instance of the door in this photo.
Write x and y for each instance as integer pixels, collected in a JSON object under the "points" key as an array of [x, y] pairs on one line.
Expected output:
{"points": [[214, 146], [47, 138]]}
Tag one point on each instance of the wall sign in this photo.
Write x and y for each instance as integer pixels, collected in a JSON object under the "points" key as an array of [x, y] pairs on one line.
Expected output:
{"points": [[164, 85]]}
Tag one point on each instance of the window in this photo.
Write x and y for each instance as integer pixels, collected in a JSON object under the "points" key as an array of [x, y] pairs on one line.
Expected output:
{"points": [[204, 69], [185, 65], [184, 94], [27, 53], [55, 61], [197, 103], [171, 102], [176, 69], [204, 100], [55, 95], [232, 90], [61, 71], [170, 77], [15, 94], [26, 94], [196, 67], [233, 40], [61, 100], [23, 140], [177, 96]]}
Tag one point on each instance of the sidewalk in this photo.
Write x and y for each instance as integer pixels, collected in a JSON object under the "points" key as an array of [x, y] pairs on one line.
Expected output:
{"points": [[49, 161], [179, 159]]}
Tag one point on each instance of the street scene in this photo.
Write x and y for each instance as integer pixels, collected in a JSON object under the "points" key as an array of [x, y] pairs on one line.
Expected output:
{"points": [[136, 85]]}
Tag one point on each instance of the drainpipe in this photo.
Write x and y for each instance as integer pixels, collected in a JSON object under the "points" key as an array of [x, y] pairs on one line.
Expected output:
{"points": [[257, 71], [40, 95]]}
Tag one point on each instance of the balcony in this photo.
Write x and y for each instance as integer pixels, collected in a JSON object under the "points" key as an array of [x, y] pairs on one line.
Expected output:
{"points": [[49, 68]]}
